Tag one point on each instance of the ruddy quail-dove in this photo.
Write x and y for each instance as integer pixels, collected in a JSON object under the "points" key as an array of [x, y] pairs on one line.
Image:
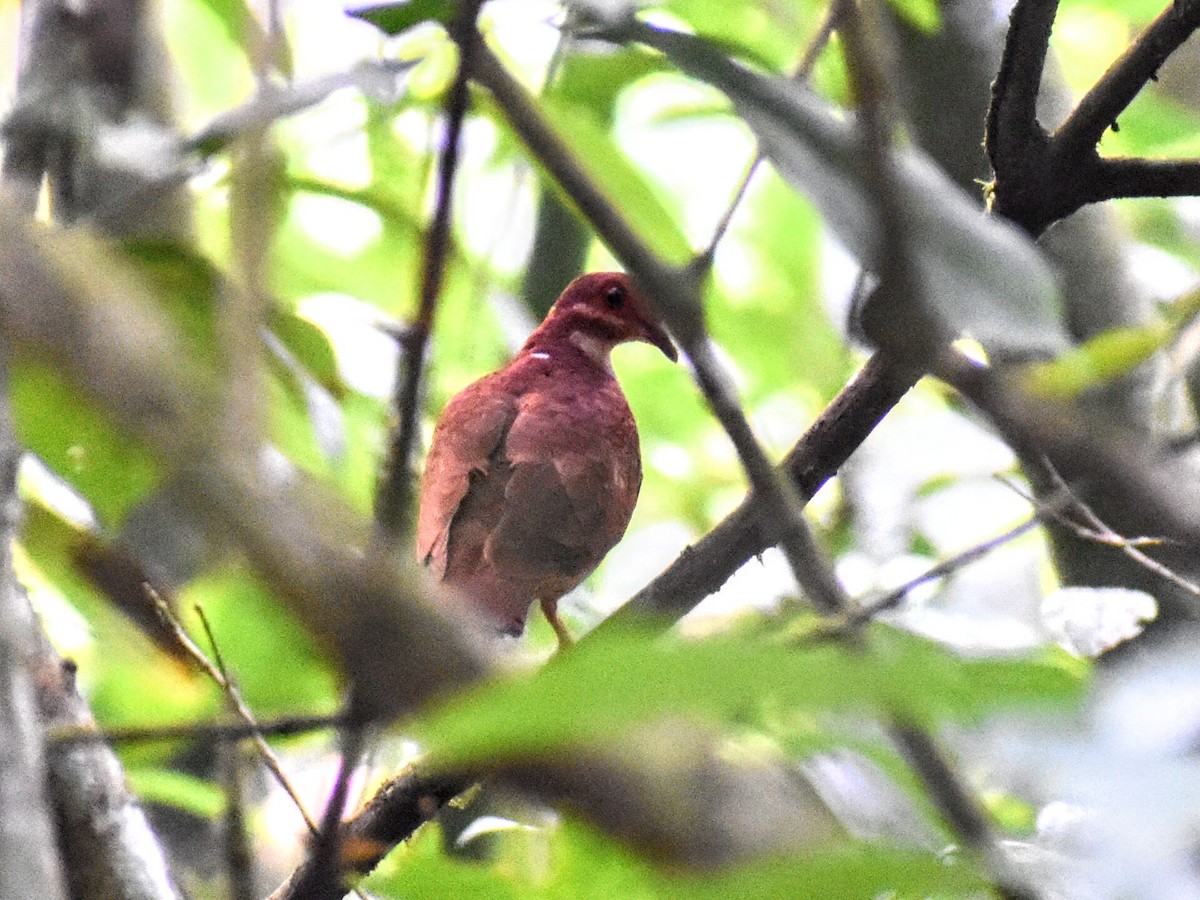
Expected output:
{"points": [[534, 470]]}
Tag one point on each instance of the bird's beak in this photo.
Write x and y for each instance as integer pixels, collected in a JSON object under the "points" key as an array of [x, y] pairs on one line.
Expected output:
{"points": [[657, 335]]}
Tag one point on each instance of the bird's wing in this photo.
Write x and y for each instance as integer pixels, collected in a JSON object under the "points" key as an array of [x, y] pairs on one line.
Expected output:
{"points": [[468, 438], [547, 531], [565, 506]]}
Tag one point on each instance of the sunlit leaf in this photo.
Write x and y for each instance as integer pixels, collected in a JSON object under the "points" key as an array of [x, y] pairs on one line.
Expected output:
{"points": [[1099, 360], [179, 790], [603, 686], [80, 440], [771, 34], [309, 346], [595, 78], [232, 597], [922, 14], [207, 39], [625, 187]]}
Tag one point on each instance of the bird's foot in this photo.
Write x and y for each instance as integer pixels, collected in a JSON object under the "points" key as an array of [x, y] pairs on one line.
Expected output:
{"points": [[550, 610]]}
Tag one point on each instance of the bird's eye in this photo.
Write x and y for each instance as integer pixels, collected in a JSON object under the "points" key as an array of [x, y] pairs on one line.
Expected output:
{"points": [[615, 296]]}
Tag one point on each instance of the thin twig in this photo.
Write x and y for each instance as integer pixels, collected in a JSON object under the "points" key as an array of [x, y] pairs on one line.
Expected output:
{"points": [[324, 863], [217, 673], [394, 497], [867, 611], [238, 856], [837, 432], [195, 732], [809, 58], [1101, 533], [957, 806]]}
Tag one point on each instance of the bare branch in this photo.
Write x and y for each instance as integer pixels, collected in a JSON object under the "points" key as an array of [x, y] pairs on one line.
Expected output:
{"points": [[108, 847], [1042, 178], [958, 807], [1116, 178], [393, 501], [391, 817], [830, 440], [29, 850], [1108, 98], [1012, 125], [1101, 533]]}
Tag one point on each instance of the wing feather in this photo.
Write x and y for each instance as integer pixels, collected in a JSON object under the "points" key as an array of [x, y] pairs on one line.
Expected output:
{"points": [[468, 437]]}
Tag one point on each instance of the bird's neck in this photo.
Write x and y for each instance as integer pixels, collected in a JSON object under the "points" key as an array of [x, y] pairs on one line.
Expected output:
{"points": [[566, 337]]}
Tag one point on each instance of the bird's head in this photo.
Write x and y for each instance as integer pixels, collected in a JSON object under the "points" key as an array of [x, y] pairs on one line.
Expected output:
{"points": [[598, 311]]}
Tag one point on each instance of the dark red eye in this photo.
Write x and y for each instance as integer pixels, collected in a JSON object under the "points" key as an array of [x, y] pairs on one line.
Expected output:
{"points": [[615, 296]]}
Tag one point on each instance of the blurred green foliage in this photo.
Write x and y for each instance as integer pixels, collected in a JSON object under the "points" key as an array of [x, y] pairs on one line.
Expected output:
{"points": [[358, 195]]}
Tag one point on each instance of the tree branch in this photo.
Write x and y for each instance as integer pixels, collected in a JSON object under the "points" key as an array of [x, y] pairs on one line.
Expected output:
{"points": [[1042, 178], [1012, 124], [702, 568], [29, 851], [393, 501], [108, 848], [1108, 98], [1117, 178]]}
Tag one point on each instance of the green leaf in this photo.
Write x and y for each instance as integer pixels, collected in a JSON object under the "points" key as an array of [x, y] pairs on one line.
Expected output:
{"points": [[1099, 360], [979, 275], [768, 33], [379, 272], [623, 185], [253, 634], [863, 870], [80, 440], [178, 789], [584, 864], [780, 236], [209, 51], [924, 15], [594, 79], [607, 684], [393, 18], [310, 347]]}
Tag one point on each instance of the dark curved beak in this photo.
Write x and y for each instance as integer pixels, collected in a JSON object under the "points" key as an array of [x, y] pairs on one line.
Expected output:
{"points": [[657, 335]]}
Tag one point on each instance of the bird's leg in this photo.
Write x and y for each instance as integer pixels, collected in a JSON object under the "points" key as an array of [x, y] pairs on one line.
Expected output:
{"points": [[550, 610]]}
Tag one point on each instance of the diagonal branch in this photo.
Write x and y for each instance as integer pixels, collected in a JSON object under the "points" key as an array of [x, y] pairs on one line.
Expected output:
{"points": [[838, 431], [1108, 98], [393, 501]]}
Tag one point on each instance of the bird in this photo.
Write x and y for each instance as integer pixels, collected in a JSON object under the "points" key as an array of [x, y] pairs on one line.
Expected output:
{"points": [[533, 471]]}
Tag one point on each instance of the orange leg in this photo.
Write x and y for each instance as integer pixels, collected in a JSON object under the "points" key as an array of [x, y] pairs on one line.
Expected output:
{"points": [[550, 610]]}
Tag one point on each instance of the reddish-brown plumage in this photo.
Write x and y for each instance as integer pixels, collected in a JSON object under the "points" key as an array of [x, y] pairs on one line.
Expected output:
{"points": [[535, 469]]}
